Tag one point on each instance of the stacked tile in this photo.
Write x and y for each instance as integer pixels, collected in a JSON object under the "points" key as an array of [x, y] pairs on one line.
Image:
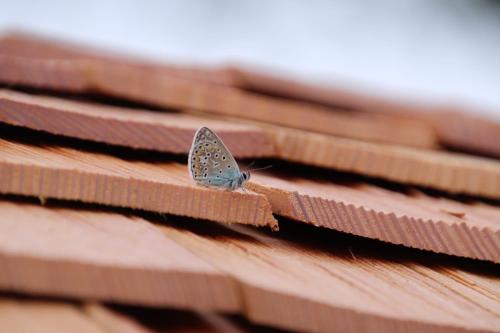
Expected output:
{"points": [[50, 316], [97, 206], [85, 72], [454, 125]]}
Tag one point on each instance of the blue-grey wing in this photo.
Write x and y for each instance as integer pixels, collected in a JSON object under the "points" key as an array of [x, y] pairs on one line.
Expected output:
{"points": [[210, 162]]}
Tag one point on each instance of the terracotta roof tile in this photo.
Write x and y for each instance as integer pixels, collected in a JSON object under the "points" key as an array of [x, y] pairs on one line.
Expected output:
{"points": [[302, 279], [64, 173], [182, 90], [450, 172], [153, 130], [420, 221], [299, 279], [454, 125], [104, 256]]}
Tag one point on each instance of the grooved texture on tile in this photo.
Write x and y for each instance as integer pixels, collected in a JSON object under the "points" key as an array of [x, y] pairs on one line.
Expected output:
{"points": [[160, 131], [304, 280], [182, 89], [450, 172], [414, 220], [104, 256], [300, 279], [173, 133], [418, 221], [63, 173]]}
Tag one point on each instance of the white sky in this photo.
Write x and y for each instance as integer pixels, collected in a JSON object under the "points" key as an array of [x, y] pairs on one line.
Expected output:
{"points": [[433, 50]]}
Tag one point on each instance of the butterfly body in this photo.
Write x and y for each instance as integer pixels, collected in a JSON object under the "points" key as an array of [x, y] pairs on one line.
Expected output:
{"points": [[211, 164]]}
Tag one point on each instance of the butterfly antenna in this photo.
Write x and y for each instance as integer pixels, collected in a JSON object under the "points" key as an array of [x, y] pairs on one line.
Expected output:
{"points": [[250, 165], [264, 168]]}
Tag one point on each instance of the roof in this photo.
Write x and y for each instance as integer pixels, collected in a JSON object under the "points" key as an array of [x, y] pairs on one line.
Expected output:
{"points": [[381, 228]]}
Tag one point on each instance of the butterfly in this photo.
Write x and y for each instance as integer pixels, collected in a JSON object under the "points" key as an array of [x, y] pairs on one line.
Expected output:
{"points": [[211, 164]]}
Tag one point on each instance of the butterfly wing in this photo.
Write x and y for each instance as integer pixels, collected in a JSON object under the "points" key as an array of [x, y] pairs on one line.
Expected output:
{"points": [[210, 162]]}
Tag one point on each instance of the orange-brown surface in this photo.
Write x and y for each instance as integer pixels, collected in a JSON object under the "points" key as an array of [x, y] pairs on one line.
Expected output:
{"points": [[300, 279], [104, 256], [21, 315], [160, 131], [27, 45], [97, 205], [472, 133], [411, 219], [454, 127], [64, 173], [172, 132], [18, 316], [86, 73], [450, 172], [429, 223], [303, 279]]}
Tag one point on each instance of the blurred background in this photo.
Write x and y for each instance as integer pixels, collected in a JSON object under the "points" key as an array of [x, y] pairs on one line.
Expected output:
{"points": [[438, 51]]}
